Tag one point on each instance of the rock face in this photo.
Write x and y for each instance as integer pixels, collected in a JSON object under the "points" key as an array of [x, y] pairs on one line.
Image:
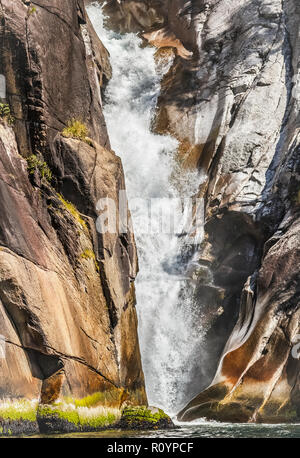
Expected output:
{"points": [[235, 109], [67, 301], [231, 98]]}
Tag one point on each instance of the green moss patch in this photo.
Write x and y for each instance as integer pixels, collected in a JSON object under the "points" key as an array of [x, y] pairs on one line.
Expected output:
{"points": [[143, 417]]}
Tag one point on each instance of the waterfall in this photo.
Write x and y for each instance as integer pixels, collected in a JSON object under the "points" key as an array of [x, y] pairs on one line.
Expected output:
{"points": [[169, 321]]}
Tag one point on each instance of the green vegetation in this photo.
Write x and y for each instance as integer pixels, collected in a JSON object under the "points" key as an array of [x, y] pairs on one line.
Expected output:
{"points": [[73, 210], [18, 410], [88, 401], [89, 254], [99, 421], [35, 163], [82, 417], [32, 11], [54, 411], [76, 129], [5, 114], [143, 414], [142, 417]]}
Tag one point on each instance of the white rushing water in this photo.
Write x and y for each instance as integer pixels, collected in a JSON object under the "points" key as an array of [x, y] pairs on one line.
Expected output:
{"points": [[169, 324]]}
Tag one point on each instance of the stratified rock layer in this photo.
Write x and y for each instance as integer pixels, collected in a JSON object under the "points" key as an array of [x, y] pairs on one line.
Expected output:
{"points": [[67, 301]]}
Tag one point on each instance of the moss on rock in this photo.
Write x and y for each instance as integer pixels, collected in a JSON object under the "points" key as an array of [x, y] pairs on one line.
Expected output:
{"points": [[143, 417], [84, 415]]}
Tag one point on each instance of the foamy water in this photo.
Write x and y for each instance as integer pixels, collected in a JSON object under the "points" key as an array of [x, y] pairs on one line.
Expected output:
{"points": [[169, 324]]}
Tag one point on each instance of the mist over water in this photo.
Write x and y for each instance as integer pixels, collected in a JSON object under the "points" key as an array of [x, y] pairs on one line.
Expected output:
{"points": [[169, 323]]}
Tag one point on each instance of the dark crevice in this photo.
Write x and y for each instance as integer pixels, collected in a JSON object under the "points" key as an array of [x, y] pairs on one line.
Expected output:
{"points": [[62, 357]]}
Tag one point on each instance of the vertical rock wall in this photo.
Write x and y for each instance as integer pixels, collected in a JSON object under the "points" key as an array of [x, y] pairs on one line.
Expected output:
{"points": [[67, 302]]}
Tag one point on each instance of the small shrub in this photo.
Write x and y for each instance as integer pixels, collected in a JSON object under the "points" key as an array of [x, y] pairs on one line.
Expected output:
{"points": [[34, 163], [76, 129], [32, 11], [5, 113]]}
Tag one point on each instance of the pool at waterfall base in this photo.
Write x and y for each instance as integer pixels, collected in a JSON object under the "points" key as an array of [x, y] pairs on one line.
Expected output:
{"points": [[200, 429]]}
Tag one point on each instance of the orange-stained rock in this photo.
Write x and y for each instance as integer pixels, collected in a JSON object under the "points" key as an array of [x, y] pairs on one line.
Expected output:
{"points": [[165, 38], [259, 371]]}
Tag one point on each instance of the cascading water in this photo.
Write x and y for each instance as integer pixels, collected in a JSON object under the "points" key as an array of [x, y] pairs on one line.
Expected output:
{"points": [[169, 323]]}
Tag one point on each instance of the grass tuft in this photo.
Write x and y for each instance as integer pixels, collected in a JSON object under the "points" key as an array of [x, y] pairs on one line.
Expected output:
{"points": [[95, 417], [18, 410], [34, 163], [76, 129], [5, 114], [73, 210]]}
